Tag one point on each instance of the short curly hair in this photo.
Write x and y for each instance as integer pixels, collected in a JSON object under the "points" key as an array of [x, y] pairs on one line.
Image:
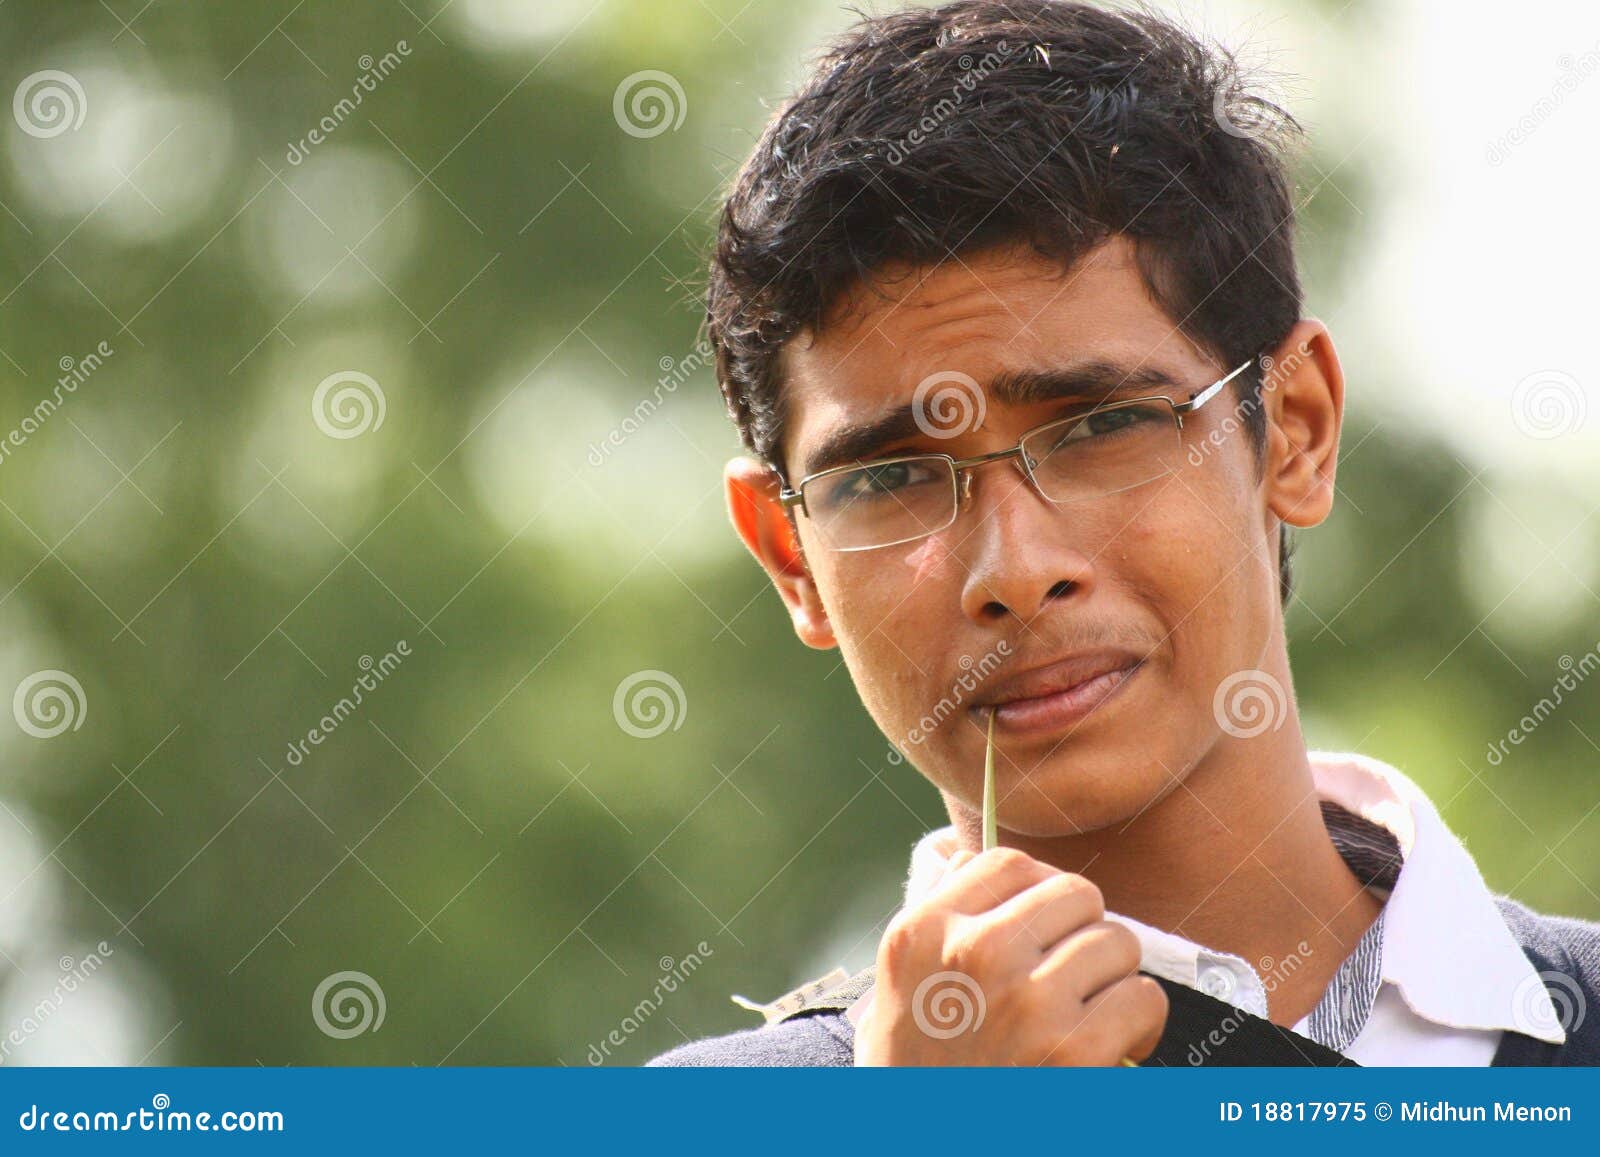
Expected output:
{"points": [[930, 132]]}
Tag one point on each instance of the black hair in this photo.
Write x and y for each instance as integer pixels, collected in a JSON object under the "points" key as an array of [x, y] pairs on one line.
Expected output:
{"points": [[929, 132]]}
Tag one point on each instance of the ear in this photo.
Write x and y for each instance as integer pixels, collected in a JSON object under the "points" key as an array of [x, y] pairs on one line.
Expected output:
{"points": [[765, 528], [1304, 392]]}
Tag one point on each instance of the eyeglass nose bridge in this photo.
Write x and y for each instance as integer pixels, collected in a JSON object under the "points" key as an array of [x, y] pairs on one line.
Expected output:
{"points": [[965, 466]]}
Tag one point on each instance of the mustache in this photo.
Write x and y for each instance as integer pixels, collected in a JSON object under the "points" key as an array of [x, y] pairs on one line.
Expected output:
{"points": [[1030, 649]]}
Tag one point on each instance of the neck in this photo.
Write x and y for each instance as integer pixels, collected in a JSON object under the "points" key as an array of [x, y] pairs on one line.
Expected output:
{"points": [[1236, 859]]}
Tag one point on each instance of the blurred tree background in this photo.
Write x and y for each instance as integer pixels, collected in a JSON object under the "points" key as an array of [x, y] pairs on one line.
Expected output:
{"points": [[340, 415]]}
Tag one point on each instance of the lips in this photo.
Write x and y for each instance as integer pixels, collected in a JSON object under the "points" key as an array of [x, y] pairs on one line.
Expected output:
{"points": [[1058, 694]]}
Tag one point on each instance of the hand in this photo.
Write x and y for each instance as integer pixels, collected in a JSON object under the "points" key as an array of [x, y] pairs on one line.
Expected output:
{"points": [[1009, 961]]}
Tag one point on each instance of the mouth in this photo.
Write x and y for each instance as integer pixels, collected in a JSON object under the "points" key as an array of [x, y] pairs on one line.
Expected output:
{"points": [[1059, 696]]}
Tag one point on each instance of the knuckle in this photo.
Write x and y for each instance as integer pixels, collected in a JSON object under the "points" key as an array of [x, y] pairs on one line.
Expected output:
{"points": [[1102, 1030], [901, 939], [1153, 997], [1104, 1034], [1086, 890], [1078, 892], [972, 949], [1011, 869], [1004, 859], [1078, 1041], [1125, 943]]}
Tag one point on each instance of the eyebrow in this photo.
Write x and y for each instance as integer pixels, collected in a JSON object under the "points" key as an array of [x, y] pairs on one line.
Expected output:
{"points": [[1092, 381]]}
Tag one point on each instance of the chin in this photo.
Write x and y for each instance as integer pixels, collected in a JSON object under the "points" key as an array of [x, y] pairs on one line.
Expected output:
{"points": [[1063, 797]]}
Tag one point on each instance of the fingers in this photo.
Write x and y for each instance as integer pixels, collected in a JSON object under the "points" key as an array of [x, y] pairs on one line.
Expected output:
{"points": [[1157, 1022], [1096, 956], [1058, 976], [1042, 915], [1124, 1020], [1140, 1003], [980, 883]]}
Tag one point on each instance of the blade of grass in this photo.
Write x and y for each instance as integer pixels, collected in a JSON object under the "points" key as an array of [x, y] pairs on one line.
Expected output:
{"points": [[989, 827]]}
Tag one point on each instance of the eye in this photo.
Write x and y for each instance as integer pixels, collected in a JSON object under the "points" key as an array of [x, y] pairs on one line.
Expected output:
{"points": [[874, 481], [1112, 421], [1096, 426]]}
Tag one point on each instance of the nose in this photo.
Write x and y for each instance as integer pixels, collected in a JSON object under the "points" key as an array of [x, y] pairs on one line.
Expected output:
{"points": [[1019, 551]]}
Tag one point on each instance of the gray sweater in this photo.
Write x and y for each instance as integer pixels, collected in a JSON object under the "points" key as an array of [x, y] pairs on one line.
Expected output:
{"points": [[1564, 951]]}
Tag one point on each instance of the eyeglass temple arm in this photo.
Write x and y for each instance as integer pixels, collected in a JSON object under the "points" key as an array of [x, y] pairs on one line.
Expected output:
{"points": [[1210, 391]]}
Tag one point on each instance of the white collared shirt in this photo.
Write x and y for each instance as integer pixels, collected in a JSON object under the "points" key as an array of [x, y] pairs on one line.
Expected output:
{"points": [[1453, 976]]}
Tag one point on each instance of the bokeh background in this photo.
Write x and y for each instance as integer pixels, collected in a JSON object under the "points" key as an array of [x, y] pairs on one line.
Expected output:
{"points": [[214, 533]]}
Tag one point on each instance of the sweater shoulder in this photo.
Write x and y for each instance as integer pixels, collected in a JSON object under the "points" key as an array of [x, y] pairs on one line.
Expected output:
{"points": [[1564, 943], [1565, 951], [822, 1039]]}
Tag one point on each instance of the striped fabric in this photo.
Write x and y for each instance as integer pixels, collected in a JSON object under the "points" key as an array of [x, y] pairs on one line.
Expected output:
{"points": [[1373, 854]]}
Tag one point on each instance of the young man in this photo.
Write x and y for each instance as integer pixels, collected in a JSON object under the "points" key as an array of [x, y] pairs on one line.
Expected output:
{"points": [[1006, 309]]}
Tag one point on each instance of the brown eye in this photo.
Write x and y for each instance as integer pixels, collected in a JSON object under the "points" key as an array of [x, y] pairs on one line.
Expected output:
{"points": [[1111, 422], [876, 481]]}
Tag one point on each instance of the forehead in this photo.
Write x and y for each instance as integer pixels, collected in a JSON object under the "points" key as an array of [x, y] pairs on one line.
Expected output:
{"points": [[979, 314]]}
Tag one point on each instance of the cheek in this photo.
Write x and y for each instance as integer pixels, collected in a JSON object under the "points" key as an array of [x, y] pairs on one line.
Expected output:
{"points": [[928, 556], [1156, 546], [1203, 566], [881, 605], [1170, 556], [886, 593]]}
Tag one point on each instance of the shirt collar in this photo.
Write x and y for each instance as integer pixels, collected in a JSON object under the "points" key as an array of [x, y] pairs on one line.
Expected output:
{"points": [[1446, 947]]}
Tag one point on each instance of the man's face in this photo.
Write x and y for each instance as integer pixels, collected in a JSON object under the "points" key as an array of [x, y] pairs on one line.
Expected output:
{"points": [[1178, 574]]}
